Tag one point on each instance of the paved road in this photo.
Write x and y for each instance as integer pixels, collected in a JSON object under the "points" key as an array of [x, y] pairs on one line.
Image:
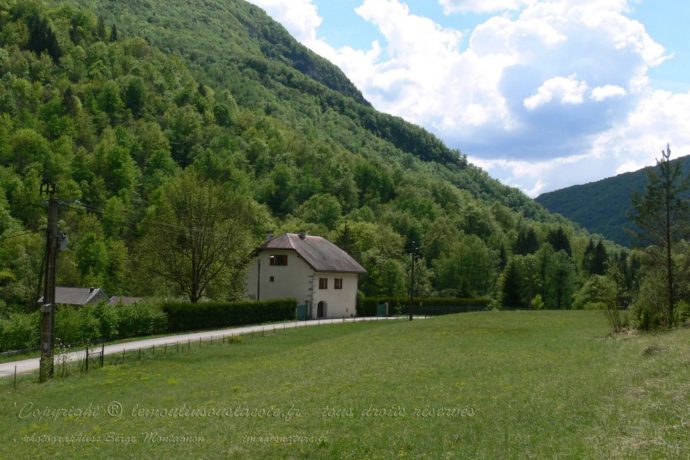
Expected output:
{"points": [[29, 365]]}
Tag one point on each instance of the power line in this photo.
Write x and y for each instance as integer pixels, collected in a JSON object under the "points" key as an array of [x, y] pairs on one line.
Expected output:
{"points": [[17, 235], [133, 221]]}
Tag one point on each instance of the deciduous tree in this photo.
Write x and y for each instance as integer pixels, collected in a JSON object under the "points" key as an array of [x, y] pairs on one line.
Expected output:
{"points": [[197, 234]]}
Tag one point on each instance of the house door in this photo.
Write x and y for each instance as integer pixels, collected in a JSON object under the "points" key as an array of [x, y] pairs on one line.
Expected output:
{"points": [[321, 310]]}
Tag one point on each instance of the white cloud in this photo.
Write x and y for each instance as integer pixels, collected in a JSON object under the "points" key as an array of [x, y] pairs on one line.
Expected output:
{"points": [[553, 94], [601, 93], [660, 118], [567, 90], [300, 17], [535, 177], [484, 97], [480, 6]]}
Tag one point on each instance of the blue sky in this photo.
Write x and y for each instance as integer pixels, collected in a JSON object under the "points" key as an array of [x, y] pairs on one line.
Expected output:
{"points": [[541, 93]]}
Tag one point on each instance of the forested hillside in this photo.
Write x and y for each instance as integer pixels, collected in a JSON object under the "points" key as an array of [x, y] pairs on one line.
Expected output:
{"points": [[603, 206], [120, 103]]}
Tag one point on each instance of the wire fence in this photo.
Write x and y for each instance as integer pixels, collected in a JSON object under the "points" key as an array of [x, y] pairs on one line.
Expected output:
{"points": [[68, 362]]}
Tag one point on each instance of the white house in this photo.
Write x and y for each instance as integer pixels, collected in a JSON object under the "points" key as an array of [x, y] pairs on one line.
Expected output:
{"points": [[308, 268]]}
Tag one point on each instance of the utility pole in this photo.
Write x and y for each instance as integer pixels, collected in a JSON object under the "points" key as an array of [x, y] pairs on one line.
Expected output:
{"points": [[413, 254], [48, 306]]}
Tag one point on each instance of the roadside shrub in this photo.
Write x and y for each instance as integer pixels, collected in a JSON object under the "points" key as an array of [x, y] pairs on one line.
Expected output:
{"points": [[140, 319], [20, 331], [107, 320], [208, 315], [76, 325]]}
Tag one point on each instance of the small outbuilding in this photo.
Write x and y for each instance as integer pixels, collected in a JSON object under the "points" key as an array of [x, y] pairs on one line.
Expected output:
{"points": [[309, 268], [78, 296]]}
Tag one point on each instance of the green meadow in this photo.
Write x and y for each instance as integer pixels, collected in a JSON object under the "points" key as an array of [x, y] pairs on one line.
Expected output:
{"points": [[476, 385]]}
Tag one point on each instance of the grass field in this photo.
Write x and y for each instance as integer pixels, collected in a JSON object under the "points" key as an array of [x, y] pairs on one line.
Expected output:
{"points": [[475, 385]]}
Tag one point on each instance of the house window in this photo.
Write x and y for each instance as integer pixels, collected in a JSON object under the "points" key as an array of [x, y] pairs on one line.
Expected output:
{"points": [[279, 259], [272, 279], [338, 283], [323, 283]]}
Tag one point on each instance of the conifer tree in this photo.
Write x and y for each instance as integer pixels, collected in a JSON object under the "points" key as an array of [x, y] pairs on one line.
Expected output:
{"points": [[42, 37], [559, 241], [101, 29], [662, 214], [527, 242]]}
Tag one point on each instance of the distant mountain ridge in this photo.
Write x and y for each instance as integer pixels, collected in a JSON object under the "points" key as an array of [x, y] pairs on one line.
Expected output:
{"points": [[603, 206]]}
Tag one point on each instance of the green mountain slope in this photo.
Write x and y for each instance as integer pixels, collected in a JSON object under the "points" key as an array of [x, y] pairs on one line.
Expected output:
{"points": [[235, 45], [603, 206], [113, 100]]}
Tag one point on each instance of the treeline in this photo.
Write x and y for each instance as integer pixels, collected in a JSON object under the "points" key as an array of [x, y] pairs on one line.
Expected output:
{"points": [[121, 126]]}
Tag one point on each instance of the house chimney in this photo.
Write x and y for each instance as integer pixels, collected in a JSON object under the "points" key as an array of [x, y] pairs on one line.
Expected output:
{"points": [[91, 289], [302, 235]]}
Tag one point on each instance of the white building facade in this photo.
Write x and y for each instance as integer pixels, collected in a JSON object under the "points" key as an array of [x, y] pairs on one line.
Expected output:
{"points": [[310, 269]]}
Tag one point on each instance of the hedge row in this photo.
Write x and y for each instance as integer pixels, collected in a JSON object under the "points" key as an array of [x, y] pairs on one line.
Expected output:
{"points": [[107, 322], [89, 324], [209, 315], [75, 326], [430, 306]]}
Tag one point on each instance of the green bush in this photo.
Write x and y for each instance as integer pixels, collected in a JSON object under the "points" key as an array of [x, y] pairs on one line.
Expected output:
{"points": [[74, 326], [597, 293], [682, 312], [209, 315], [537, 302], [430, 306], [20, 331], [648, 308], [140, 319], [107, 320]]}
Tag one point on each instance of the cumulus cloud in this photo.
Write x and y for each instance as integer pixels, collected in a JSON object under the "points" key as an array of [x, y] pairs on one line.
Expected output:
{"points": [[567, 90], [480, 6], [513, 86], [601, 93], [300, 17], [660, 118], [554, 93]]}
